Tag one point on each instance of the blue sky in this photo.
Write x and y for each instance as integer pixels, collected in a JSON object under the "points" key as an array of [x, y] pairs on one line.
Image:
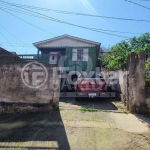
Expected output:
{"points": [[27, 34]]}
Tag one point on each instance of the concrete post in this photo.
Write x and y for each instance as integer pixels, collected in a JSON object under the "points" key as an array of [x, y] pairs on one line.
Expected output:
{"points": [[136, 82]]}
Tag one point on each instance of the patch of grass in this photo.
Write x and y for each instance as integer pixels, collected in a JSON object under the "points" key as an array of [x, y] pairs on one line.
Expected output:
{"points": [[20, 148], [88, 109]]}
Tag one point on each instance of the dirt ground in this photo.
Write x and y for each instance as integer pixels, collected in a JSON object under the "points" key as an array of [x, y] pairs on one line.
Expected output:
{"points": [[84, 125]]}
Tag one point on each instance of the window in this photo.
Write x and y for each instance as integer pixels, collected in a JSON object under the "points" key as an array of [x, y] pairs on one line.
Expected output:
{"points": [[53, 58], [79, 54]]}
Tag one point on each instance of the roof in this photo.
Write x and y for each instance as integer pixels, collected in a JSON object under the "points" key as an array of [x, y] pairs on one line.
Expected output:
{"points": [[6, 56], [66, 41], [3, 51]]}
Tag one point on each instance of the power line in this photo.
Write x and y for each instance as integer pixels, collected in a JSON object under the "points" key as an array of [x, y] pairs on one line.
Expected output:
{"points": [[27, 22], [76, 13], [20, 11], [138, 4], [13, 45], [24, 45], [16, 43], [7, 40], [56, 20], [146, 0], [12, 35]]}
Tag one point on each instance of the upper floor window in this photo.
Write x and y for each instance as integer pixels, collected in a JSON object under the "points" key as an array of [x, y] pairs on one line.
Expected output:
{"points": [[80, 54]]}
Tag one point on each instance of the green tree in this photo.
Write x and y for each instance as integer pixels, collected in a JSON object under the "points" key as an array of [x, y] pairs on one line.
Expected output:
{"points": [[116, 57]]}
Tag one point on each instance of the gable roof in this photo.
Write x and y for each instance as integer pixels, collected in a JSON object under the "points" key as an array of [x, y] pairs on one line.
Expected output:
{"points": [[64, 41]]}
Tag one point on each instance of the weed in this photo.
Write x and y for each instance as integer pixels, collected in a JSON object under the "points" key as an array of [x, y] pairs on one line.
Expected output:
{"points": [[89, 109], [19, 148]]}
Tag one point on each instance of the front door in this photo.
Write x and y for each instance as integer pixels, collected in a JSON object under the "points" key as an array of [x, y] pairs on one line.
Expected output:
{"points": [[53, 59]]}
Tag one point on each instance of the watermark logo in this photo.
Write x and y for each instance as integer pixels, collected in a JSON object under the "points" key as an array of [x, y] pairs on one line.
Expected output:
{"points": [[34, 75]]}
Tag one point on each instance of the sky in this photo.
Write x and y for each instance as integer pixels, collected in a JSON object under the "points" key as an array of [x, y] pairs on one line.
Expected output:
{"points": [[17, 35]]}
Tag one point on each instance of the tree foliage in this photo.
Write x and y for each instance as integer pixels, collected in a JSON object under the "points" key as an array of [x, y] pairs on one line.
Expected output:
{"points": [[116, 57]]}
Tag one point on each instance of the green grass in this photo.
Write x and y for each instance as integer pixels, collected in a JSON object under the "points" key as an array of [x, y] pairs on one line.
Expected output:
{"points": [[88, 109], [21, 148]]}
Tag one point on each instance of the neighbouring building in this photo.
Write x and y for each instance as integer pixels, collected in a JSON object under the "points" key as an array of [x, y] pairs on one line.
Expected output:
{"points": [[68, 51], [8, 57]]}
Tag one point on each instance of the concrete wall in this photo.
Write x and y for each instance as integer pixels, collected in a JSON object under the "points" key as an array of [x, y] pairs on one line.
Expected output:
{"points": [[138, 93], [148, 97], [118, 79], [131, 86], [12, 89]]}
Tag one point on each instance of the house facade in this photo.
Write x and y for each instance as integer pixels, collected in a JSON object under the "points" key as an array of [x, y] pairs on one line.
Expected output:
{"points": [[69, 51]]}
